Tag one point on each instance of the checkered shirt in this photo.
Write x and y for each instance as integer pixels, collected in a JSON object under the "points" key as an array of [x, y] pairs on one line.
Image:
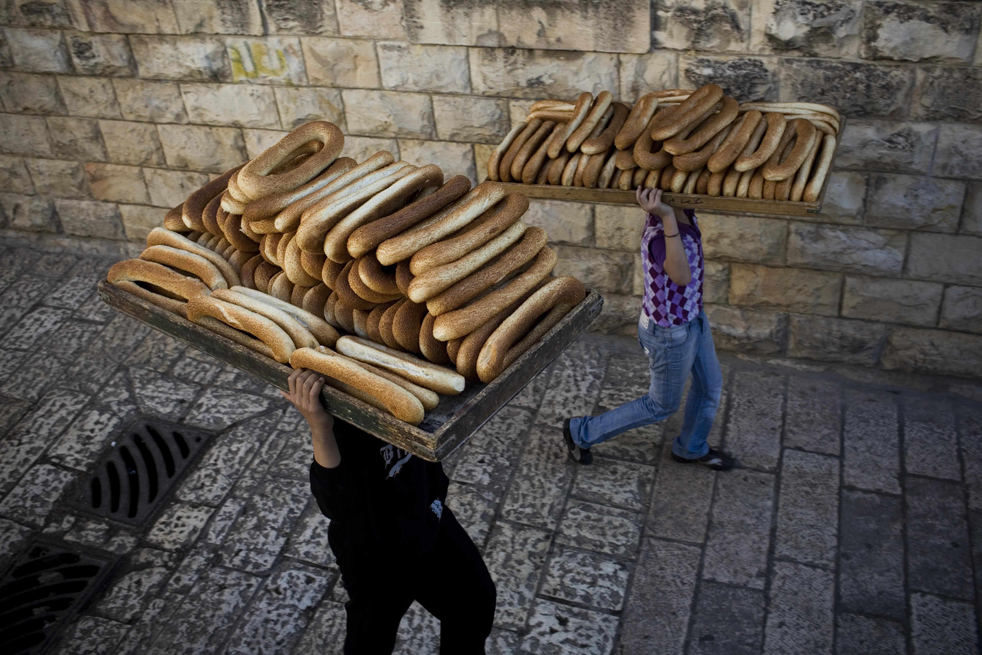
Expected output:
{"points": [[665, 302]]}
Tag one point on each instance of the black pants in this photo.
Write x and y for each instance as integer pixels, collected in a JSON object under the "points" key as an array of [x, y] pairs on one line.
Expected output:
{"points": [[451, 583]]}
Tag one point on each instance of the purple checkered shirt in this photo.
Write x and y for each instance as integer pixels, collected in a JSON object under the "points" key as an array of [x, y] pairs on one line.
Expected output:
{"points": [[665, 302]]}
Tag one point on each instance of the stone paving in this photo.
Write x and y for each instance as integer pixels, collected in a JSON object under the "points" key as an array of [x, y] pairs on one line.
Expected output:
{"points": [[854, 526]]}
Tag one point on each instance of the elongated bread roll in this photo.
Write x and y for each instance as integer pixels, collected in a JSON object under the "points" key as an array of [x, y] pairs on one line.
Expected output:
{"points": [[160, 237], [432, 349], [737, 139], [504, 169], [696, 160], [280, 287], [580, 169], [822, 165], [392, 397], [375, 277], [186, 261], [645, 155], [533, 170], [419, 371], [263, 274], [494, 162], [605, 140], [636, 121], [261, 328], [385, 323], [404, 277], [406, 325], [315, 299], [173, 220], [343, 314], [257, 179], [270, 206], [600, 105], [706, 130], [580, 112], [330, 272], [437, 279], [289, 217], [691, 111], [126, 274], [801, 177], [608, 169], [323, 331], [365, 292], [488, 226], [293, 266], [554, 300], [451, 219], [461, 322], [776, 125], [374, 318], [194, 206], [429, 399], [569, 173], [551, 103], [342, 286], [299, 334], [782, 167], [529, 148], [788, 107], [379, 206], [248, 271], [232, 230], [312, 263]]}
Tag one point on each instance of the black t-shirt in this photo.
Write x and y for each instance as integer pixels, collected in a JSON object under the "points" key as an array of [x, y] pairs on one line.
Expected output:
{"points": [[381, 500]]}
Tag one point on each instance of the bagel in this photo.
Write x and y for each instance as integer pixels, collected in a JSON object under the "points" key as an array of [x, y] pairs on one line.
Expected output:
{"points": [[346, 294], [756, 187], [730, 181], [605, 140], [706, 130], [692, 180], [232, 230], [624, 160], [453, 218], [385, 323], [374, 276], [270, 206], [504, 168], [569, 173], [494, 162], [563, 105], [529, 148], [368, 237], [781, 167], [597, 113], [257, 179], [249, 328], [365, 292], [173, 220], [330, 272], [607, 170], [194, 206], [536, 163], [636, 122], [419, 371], [460, 322], [312, 264], [557, 167], [160, 237], [300, 335], [691, 111], [643, 155], [696, 160], [404, 277], [280, 287], [372, 323], [580, 169], [248, 271], [406, 324], [527, 324], [776, 125], [715, 186], [431, 348], [580, 111], [429, 399], [186, 261], [263, 275], [813, 190], [238, 259], [167, 288], [343, 313], [591, 174], [315, 299], [801, 177], [789, 107], [737, 139]]}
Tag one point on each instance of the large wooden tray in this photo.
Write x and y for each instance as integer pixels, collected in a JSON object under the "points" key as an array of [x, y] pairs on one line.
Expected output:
{"points": [[443, 429], [685, 200]]}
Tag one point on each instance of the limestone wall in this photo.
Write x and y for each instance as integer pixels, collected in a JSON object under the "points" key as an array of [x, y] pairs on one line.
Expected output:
{"points": [[113, 110]]}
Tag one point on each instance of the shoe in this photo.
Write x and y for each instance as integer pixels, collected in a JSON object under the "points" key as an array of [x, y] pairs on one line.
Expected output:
{"points": [[714, 459], [577, 454]]}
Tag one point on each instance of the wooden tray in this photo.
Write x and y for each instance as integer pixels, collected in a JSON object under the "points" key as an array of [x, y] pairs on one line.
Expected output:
{"points": [[443, 429], [685, 200]]}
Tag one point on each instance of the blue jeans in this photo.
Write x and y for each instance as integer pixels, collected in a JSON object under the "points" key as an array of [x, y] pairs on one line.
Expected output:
{"points": [[673, 353]]}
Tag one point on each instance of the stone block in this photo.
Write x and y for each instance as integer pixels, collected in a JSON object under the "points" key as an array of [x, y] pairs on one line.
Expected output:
{"points": [[155, 102], [620, 315], [170, 188], [640, 74], [468, 118], [555, 628], [948, 94], [800, 617], [409, 67], [871, 577], [519, 109], [810, 29], [972, 210], [846, 248], [192, 58], [138, 220], [614, 483], [361, 148], [24, 135], [942, 625], [452, 22], [914, 203], [716, 286], [516, 575], [380, 19], [101, 54], [835, 339], [536, 74], [124, 16], [132, 143], [6, 59], [586, 578], [299, 105], [35, 495], [904, 31], [389, 113], [38, 51], [861, 635], [754, 422], [54, 177], [959, 152], [619, 227], [341, 62], [269, 60], [565, 222], [256, 141], [744, 78], [743, 238], [211, 149], [603, 270], [599, 528], [892, 301], [231, 104], [31, 213], [937, 352], [14, 177], [35, 94], [115, 183], [844, 199], [945, 258], [88, 218], [582, 26], [89, 96], [76, 138], [938, 550], [747, 331], [300, 17], [727, 620], [452, 158], [931, 439], [43, 13], [702, 25], [962, 309], [854, 88], [897, 147], [789, 289], [740, 529], [196, 17], [482, 153]]}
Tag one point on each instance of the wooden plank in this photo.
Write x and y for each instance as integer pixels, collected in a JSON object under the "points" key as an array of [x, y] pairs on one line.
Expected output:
{"points": [[443, 429]]}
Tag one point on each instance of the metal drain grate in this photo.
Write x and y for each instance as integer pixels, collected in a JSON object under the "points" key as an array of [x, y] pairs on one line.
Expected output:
{"points": [[135, 475], [42, 590]]}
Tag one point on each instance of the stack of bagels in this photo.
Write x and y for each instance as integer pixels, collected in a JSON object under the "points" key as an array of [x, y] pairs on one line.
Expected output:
{"points": [[379, 275], [694, 142]]}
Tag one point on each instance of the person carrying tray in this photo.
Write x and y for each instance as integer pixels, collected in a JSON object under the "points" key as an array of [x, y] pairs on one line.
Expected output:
{"points": [[674, 333], [394, 538]]}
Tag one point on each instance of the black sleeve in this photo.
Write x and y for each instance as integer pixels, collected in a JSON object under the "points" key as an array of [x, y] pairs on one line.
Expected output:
{"points": [[336, 491]]}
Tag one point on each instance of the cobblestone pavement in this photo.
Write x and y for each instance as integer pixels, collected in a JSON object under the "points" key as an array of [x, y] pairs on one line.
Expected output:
{"points": [[854, 526]]}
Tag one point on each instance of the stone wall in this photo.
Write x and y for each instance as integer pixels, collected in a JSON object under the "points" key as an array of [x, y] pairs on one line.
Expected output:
{"points": [[113, 110]]}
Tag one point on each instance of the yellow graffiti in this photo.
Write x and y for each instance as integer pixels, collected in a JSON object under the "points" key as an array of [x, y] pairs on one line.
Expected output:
{"points": [[256, 60]]}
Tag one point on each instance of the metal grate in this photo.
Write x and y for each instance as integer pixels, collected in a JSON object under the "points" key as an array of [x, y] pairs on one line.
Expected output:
{"points": [[140, 468], [42, 590]]}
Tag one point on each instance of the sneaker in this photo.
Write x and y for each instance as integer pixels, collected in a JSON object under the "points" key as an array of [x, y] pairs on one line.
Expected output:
{"points": [[714, 459], [577, 454]]}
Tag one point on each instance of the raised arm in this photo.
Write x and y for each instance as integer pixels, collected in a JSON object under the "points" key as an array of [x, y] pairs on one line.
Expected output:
{"points": [[305, 389], [676, 263]]}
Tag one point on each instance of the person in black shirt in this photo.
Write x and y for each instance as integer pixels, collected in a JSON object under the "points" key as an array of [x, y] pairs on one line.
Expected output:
{"points": [[394, 538]]}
